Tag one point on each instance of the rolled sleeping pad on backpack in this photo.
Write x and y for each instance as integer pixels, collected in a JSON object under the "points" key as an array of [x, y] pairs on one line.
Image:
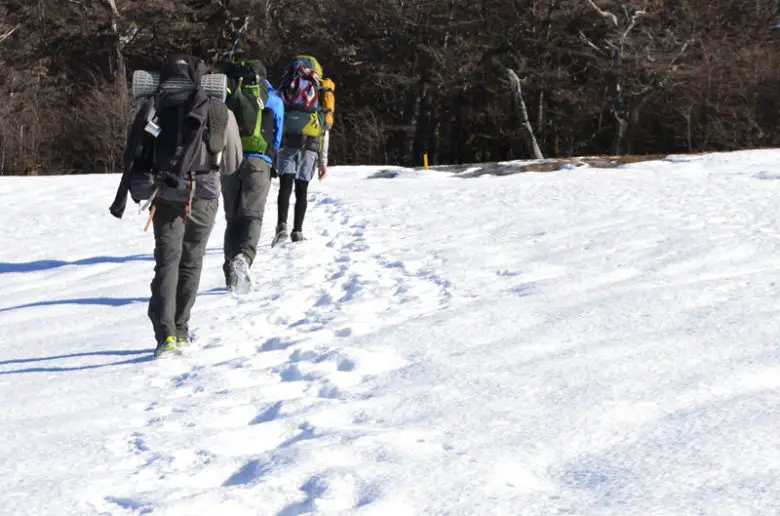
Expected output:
{"points": [[328, 101], [145, 83], [328, 108]]}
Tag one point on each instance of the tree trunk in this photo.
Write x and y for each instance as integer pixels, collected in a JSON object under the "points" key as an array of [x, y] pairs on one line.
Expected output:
{"points": [[456, 131], [688, 115], [540, 117], [120, 83], [400, 139], [620, 134], [421, 132], [517, 88]]}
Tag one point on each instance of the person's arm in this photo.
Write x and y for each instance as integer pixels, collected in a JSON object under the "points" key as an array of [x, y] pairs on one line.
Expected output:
{"points": [[325, 143], [233, 153], [140, 117], [277, 106]]}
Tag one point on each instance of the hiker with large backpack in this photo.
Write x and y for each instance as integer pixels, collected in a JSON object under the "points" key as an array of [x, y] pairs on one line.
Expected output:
{"points": [[260, 115], [176, 149], [309, 103]]}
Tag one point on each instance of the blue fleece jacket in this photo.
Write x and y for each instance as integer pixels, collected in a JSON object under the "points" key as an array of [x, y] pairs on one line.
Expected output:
{"points": [[276, 106]]}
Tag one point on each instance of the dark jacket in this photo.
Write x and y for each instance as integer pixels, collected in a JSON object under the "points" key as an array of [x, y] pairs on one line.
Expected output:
{"points": [[142, 182], [181, 156]]}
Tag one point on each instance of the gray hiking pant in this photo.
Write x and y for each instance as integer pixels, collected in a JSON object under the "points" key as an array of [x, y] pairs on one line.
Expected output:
{"points": [[179, 247], [245, 194]]}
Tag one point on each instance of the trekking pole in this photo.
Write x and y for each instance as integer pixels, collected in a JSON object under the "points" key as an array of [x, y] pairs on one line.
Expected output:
{"points": [[149, 202], [190, 195], [151, 216]]}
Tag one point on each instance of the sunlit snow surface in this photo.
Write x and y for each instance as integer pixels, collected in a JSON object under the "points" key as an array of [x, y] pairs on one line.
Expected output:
{"points": [[581, 342]]}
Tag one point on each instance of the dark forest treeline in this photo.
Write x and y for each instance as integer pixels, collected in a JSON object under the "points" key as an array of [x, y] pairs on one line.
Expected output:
{"points": [[598, 76]]}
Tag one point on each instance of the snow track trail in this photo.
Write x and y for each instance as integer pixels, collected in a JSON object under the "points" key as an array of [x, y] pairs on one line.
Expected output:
{"points": [[278, 369]]}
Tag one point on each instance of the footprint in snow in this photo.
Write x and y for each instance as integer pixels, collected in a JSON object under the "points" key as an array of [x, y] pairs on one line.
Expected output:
{"points": [[276, 344], [138, 443], [329, 391], [346, 364], [292, 373], [767, 176], [136, 505], [332, 491], [268, 414], [181, 380], [524, 289], [351, 288], [324, 300], [304, 355], [307, 433], [313, 488], [344, 332], [247, 474]]}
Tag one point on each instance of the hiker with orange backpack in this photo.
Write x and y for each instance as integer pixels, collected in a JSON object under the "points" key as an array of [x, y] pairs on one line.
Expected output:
{"points": [[309, 103]]}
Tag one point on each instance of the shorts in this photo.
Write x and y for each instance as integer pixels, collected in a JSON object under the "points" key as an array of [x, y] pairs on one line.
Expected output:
{"points": [[302, 163]]}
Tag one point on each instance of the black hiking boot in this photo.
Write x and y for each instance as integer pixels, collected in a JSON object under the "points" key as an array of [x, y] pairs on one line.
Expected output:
{"points": [[230, 278], [297, 236], [281, 234]]}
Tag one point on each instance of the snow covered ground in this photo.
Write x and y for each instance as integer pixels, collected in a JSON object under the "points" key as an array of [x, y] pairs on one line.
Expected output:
{"points": [[585, 342]]}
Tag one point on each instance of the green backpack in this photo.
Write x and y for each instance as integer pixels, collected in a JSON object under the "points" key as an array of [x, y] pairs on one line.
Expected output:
{"points": [[247, 97]]}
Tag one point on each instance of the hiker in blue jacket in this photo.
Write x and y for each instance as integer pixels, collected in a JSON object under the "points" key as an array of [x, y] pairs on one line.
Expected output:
{"points": [[245, 193]]}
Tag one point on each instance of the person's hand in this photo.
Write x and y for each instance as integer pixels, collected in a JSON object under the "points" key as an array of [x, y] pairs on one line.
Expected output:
{"points": [[274, 172], [323, 172]]}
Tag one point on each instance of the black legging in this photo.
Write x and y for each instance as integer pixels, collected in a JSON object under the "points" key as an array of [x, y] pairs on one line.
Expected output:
{"points": [[283, 202]]}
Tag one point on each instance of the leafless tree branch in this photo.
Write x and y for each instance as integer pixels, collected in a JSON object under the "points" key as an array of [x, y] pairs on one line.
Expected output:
{"points": [[8, 34], [589, 43], [604, 14]]}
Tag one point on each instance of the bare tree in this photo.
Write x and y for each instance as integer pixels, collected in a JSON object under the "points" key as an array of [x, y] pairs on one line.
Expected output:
{"points": [[596, 76], [619, 46], [517, 90]]}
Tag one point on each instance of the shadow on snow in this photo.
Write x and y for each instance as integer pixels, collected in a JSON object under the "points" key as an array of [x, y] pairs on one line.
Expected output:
{"points": [[138, 356], [99, 301], [44, 265]]}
